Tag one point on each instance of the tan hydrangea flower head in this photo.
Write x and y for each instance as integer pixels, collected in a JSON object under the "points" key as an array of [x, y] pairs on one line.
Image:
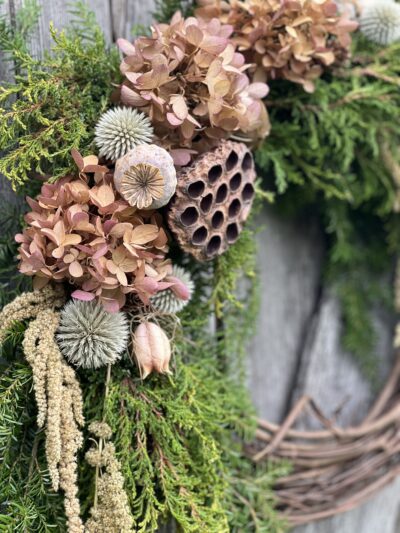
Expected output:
{"points": [[294, 40], [191, 81], [82, 231]]}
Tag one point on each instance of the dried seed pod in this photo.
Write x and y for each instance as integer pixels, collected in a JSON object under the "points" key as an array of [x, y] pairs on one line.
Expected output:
{"points": [[213, 199], [146, 177], [152, 349]]}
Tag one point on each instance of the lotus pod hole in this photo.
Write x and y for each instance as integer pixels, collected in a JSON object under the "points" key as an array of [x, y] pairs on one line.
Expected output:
{"points": [[232, 232], [214, 173], [235, 182], [200, 235], [206, 203], [222, 194], [196, 189], [234, 208], [214, 245], [213, 199], [247, 162], [190, 216], [217, 219], [248, 192], [232, 161]]}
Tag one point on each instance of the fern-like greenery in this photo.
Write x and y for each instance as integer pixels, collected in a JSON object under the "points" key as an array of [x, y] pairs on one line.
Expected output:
{"points": [[27, 502], [327, 153], [180, 437], [53, 104]]}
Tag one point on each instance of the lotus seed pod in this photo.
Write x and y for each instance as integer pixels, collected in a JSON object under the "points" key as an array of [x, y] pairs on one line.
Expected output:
{"points": [[146, 177], [152, 349], [380, 21], [213, 200]]}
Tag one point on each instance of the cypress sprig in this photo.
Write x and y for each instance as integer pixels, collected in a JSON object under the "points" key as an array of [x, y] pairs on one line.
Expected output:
{"points": [[54, 102]]}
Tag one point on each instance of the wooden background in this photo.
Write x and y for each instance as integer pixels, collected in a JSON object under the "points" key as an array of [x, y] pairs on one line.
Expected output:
{"points": [[297, 350]]}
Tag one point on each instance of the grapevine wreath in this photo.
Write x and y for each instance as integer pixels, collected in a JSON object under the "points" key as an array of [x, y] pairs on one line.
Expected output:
{"points": [[121, 406]]}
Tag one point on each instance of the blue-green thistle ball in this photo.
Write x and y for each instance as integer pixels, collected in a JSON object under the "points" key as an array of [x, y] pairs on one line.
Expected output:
{"points": [[121, 129], [380, 21], [91, 337]]}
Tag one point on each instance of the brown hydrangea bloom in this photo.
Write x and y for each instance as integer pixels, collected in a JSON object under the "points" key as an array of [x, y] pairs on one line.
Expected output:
{"points": [[80, 230], [294, 40], [192, 82]]}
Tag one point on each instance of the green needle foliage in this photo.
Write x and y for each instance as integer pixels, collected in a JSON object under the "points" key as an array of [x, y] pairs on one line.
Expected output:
{"points": [[27, 502], [53, 103], [327, 152], [179, 438]]}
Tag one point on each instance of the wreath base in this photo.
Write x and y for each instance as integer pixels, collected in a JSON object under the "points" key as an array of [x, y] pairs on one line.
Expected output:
{"points": [[334, 469]]}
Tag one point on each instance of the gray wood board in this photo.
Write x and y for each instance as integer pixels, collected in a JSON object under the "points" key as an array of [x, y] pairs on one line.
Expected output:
{"points": [[297, 349]]}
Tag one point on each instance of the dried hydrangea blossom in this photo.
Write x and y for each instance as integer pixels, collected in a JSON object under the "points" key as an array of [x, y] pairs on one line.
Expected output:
{"points": [[293, 40], [176, 297], [82, 231], [191, 81]]}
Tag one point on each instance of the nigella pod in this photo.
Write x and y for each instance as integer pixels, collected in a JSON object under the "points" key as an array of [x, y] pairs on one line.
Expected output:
{"points": [[152, 349]]}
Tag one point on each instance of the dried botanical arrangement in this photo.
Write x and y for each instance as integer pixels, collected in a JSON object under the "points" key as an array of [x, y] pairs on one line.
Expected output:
{"points": [[296, 41], [118, 411]]}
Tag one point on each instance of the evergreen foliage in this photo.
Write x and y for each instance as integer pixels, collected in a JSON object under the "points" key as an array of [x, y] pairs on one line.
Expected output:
{"points": [[165, 9], [179, 438], [27, 502], [326, 152], [53, 104]]}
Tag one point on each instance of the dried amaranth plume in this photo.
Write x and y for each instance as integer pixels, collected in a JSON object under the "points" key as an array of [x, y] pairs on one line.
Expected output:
{"points": [[121, 129], [91, 337]]}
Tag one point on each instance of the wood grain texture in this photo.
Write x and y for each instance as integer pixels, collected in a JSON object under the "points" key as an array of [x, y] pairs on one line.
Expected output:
{"points": [[297, 351], [127, 13], [297, 348], [290, 255]]}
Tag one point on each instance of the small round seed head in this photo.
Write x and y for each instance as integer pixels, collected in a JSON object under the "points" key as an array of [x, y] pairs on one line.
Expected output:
{"points": [[170, 300], [380, 21], [91, 337], [121, 129], [146, 177]]}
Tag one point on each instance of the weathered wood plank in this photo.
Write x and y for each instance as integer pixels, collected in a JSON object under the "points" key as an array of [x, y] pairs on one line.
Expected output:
{"points": [[289, 258], [129, 13], [297, 351]]}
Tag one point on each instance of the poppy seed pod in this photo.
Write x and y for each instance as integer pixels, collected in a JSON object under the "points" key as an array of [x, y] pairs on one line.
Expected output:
{"points": [[146, 177], [152, 349]]}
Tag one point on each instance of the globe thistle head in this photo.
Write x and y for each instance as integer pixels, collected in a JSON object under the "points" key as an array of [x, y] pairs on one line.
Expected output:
{"points": [[121, 129], [177, 296], [91, 337], [380, 21]]}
